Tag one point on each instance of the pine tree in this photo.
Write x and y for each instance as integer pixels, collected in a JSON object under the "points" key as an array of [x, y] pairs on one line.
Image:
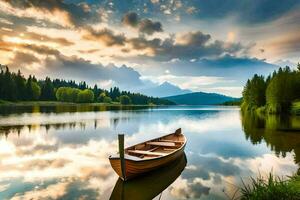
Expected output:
{"points": [[47, 90]]}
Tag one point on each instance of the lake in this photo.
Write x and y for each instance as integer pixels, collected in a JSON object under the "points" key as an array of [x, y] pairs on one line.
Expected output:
{"points": [[62, 152]]}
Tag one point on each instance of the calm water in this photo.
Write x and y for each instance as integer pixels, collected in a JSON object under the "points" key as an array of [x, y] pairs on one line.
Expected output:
{"points": [[61, 153]]}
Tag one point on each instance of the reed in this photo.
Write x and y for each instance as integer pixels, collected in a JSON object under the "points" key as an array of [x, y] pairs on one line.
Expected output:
{"points": [[271, 188]]}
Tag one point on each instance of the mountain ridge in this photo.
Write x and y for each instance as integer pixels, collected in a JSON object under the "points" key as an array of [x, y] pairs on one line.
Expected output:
{"points": [[164, 89], [200, 98]]}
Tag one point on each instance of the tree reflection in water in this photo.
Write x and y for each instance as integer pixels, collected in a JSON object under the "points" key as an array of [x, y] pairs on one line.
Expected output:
{"points": [[281, 133]]}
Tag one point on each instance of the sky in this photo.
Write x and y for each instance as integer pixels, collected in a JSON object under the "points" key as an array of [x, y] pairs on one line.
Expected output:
{"points": [[200, 45]]}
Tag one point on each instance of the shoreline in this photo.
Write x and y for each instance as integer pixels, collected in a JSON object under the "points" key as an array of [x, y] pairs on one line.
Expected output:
{"points": [[59, 103]]}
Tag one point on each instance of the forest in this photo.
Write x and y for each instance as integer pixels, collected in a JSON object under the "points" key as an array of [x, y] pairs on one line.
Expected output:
{"points": [[15, 87], [277, 93]]}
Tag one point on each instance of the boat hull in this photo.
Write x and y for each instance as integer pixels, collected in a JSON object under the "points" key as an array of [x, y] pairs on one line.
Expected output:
{"points": [[135, 168], [151, 184]]}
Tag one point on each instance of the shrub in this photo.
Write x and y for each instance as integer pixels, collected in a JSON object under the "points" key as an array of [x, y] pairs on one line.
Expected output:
{"points": [[125, 100], [85, 96], [107, 100]]}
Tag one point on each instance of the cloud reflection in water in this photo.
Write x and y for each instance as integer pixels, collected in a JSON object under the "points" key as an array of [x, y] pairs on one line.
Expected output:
{"points": [[64, 155]]}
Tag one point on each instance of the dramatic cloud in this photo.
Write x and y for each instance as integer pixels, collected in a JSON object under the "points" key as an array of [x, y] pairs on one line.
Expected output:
{"points": [[22, 59], [146, 26], [55, 11], [130, 19], [149, 27], [188, 38], [193, 38], [105, 36], [227, 65], [79, 69], [187, 46], [25, 35]]}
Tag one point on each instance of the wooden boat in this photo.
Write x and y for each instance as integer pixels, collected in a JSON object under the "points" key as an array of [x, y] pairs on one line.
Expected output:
{"points": [[147, 156], [151, 184]]}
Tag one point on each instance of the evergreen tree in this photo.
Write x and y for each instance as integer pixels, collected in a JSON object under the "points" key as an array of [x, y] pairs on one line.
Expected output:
{"points": [[9, 87], [20, 82], [13, 86], [47, 90]]}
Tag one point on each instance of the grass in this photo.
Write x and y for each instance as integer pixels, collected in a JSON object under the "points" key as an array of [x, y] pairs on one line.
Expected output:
{"points": [[272, 188]]}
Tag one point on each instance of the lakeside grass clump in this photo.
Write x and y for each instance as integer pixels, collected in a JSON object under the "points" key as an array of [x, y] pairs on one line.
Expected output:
{"points": [[271, 188]]}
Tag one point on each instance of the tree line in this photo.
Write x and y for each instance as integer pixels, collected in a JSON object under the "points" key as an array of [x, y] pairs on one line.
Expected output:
{"points": [[273, 94], [15, 87]]}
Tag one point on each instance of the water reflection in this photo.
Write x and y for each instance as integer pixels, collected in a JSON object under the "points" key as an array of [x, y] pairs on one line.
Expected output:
{"points": [[281, 133], [150, 185], [63, 155], [20, 109]]}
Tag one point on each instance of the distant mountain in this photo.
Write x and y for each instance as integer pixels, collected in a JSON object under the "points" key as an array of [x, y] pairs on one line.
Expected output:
{"points": [[163, 90], [200, 98]]}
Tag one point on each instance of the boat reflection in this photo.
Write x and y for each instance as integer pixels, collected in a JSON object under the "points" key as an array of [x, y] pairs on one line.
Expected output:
{"points": [[150, 185]]}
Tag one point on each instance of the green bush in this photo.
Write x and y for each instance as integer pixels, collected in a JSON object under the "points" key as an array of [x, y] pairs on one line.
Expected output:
{"points": [[85, 96], [101, 97], [67, 94], [36, 91], [125, 100], [107, 100]]}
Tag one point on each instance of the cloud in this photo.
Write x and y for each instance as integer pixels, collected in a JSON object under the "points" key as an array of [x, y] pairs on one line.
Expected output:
{"points": [[105, 36], [187, 82], [183, 189], [22, 59], [186, 46], [55, 11], [227, 65], [214, 164], [44, 38], [54, 64], [80, 69], [37, 49], [149, 27], [288, 45], [196, 38], [146, 26], [130, 19], [54, 191], [40, 164]]}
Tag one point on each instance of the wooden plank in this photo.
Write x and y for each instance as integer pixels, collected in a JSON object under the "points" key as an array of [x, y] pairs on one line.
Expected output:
{"points": [[166, 149], [174, 141], [162, 144], [147, 153], [155, 148]]}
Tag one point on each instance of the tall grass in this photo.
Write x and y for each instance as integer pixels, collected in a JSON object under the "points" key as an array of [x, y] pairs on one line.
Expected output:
{"points": [[272, 188]]}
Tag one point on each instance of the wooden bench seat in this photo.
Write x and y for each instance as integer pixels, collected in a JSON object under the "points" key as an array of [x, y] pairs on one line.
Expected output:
{"points": [[162, 144], [147, 153], [179, 142]]}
